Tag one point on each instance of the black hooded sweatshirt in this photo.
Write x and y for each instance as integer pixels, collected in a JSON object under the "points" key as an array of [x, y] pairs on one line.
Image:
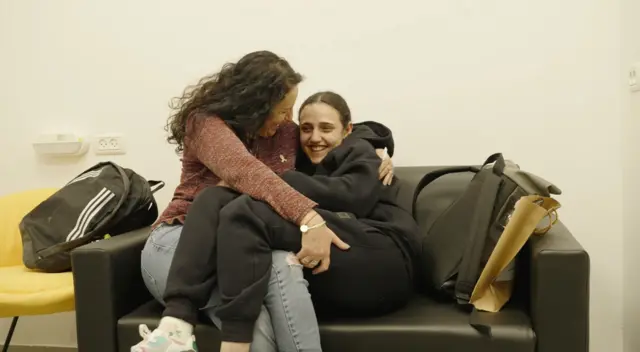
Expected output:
{"points": [[347, 181]]}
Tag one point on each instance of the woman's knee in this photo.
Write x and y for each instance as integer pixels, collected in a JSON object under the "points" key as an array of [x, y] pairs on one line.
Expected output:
{"points": [[239, 206], [156, 258], [211, 194], [161, 246]]}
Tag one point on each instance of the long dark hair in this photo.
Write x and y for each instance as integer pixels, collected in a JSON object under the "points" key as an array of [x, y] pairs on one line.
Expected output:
{"points": [[242, 94], [332, 99]]}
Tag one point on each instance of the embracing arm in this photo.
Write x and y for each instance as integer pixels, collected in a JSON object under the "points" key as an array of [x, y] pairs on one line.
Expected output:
{"points": [[353, 187], [217, 147]]}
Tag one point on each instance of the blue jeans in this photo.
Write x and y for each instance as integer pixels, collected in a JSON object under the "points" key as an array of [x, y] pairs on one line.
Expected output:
{"points": [[287, 321]]}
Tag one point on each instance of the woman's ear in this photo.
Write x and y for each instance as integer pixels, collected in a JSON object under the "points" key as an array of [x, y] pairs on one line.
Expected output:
{"points": [[347, 131]]}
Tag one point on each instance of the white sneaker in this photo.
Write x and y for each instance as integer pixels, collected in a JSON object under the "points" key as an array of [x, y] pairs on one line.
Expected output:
{"points": [[162, 341]]}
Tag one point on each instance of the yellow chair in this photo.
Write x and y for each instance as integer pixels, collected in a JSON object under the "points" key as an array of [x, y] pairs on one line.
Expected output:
{"points": [[24, 291]]}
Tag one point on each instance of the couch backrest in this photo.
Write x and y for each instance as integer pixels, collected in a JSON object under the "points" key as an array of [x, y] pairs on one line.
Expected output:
{"points": [[435, 198], [409, 177]]}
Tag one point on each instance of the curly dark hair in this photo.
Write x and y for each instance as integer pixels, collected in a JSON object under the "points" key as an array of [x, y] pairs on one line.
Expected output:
{"points": [[242, 94]]}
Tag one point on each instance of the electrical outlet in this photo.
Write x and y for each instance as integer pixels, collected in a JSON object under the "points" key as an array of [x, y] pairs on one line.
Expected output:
{"points": [[110, 144]]}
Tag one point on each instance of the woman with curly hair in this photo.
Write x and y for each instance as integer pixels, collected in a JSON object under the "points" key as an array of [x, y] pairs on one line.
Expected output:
{"points": [[233, 129]]}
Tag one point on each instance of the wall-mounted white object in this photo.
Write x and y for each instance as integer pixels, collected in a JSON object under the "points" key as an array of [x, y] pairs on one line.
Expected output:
{"points": [[634, 77], [109, 144], [60, 144]]}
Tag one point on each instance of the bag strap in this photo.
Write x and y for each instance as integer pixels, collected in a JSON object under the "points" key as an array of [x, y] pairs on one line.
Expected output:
{"points": [[434, 175], [155, 185], [469, 270], [499, 163], [481, 321], [93, 168]]}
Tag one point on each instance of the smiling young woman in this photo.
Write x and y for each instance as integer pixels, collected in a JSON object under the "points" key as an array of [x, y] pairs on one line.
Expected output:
{"points": [[325, 120]]}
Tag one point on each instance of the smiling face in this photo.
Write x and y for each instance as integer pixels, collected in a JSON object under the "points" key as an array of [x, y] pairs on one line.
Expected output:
{"points": [[321, 130], [282, 112]]}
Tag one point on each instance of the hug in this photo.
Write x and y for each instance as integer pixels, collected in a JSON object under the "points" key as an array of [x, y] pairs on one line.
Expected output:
{"points": [[274, 223]]}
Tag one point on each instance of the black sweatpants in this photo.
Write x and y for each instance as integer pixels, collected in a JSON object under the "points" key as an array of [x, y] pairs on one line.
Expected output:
{"points": [[192, 275], [370, 278]]}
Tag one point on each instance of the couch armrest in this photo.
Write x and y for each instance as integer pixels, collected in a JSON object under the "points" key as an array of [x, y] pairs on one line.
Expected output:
{"points": [[108, 284], [559, 291]]}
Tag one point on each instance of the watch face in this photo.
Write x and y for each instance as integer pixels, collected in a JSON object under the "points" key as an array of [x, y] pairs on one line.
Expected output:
{"points": [[304, 228]]}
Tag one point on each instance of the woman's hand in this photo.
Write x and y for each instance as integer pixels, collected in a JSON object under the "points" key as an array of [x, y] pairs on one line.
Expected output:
{"points": [[385, 172], [316, 244]]}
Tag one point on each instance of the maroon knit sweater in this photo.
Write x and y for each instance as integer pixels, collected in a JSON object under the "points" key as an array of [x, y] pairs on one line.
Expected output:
{"points": [[213, 152]]}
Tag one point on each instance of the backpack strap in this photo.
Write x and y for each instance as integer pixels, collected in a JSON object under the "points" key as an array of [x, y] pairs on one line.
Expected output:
{"points": [[499, 165], [481, 321], [155, 185], [469, 269], [434, 175]]}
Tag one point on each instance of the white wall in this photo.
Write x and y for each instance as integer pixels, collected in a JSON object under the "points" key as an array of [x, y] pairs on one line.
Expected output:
{"points": [[455, 80], [631, 184]]}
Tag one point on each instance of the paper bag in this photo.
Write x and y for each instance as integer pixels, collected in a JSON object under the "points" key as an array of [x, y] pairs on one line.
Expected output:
{"points": [[532, 214]]}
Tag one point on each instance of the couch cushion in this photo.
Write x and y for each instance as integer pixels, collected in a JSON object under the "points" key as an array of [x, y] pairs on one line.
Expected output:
{"points": [[424, 325]]}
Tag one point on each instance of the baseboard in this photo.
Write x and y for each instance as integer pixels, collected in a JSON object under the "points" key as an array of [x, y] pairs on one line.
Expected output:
{"points": [[40, 349]]}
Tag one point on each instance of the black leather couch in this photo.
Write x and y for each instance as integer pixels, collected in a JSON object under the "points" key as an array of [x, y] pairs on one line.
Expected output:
{"points": [[548, 313]]}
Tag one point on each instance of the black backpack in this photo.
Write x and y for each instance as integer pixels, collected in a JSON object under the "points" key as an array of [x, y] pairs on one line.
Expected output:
{"points": [[463, 225], [104, 200]]}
